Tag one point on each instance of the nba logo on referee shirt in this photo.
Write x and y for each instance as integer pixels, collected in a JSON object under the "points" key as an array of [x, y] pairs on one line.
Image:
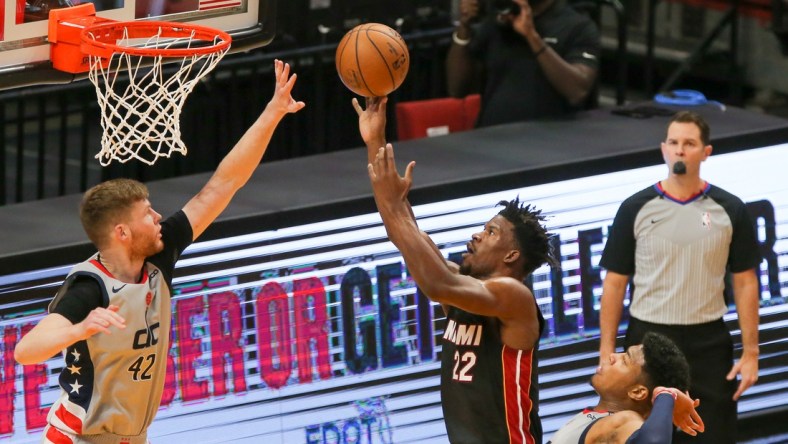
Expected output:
{"points": [[705, 220]]}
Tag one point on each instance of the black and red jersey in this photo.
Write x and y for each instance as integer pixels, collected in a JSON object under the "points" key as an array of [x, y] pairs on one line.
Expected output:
{"points": [[489, 391]]}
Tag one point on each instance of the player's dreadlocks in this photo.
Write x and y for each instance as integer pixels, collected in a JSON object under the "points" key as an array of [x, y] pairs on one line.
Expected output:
{"points": [[531, 235]]}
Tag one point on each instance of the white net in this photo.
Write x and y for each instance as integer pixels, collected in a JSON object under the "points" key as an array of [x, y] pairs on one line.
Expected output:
{"points": [[140, 111]]}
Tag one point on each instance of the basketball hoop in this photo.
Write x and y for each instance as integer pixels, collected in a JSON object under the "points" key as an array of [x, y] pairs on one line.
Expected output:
{"points": [[140, 99]]}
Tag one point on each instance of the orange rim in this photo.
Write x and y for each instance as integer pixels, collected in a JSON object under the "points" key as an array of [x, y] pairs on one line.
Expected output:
{"points": [[101, 40]]}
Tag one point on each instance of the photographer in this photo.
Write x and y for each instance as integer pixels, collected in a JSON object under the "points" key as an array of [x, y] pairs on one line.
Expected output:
{"points": [[528, 58]]}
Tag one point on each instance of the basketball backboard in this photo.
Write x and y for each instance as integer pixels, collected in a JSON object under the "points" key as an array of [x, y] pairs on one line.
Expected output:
{"points": [[25, 50]]}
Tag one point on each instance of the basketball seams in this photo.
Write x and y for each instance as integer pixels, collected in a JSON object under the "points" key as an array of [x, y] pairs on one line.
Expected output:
{"points": [[358, 65], [399, 41], [382, 56], [340, 57], [359, 62]]}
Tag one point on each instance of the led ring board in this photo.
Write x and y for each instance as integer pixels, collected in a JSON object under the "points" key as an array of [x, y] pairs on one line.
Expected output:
{"points": [[317, 334]]}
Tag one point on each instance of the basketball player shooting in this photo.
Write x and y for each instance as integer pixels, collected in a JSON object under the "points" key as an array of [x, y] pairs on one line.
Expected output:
{"points": [[111, 317], [494, 323]]}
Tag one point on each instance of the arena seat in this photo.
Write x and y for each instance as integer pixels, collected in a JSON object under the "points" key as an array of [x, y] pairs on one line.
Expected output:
{"points": [[436, 117]]}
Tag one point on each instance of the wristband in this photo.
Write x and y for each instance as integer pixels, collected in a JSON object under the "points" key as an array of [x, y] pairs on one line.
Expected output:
{"points": [[456, 39], [660, 390], [541, 50]]}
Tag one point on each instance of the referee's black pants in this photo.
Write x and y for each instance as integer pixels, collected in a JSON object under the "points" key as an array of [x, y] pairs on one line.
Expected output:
{"points": [[709, 350]]}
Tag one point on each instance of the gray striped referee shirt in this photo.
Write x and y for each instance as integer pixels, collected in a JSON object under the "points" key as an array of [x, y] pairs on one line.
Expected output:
{"points": [[679, 252]]}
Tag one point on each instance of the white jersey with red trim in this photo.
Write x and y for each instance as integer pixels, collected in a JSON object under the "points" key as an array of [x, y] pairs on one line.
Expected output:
{"points": [[574, 431], [111, 385]]}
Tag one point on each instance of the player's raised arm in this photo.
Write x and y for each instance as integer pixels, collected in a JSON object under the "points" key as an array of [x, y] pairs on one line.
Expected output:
{"points": [[372, 124], [372, 127], [493, 293], [238, 165]]}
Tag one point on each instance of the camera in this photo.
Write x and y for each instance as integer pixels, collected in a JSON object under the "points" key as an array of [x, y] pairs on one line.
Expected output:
{"points": [[493, 8], [505, 7]]}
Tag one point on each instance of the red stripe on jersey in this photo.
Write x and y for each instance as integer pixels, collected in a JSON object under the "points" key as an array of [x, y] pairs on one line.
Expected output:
{"points": [[69, 419], [57, 437], [101, 267], [516, 387]]}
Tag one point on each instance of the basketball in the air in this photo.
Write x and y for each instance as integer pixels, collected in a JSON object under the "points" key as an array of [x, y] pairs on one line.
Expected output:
{"points": [[372, 60]]}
